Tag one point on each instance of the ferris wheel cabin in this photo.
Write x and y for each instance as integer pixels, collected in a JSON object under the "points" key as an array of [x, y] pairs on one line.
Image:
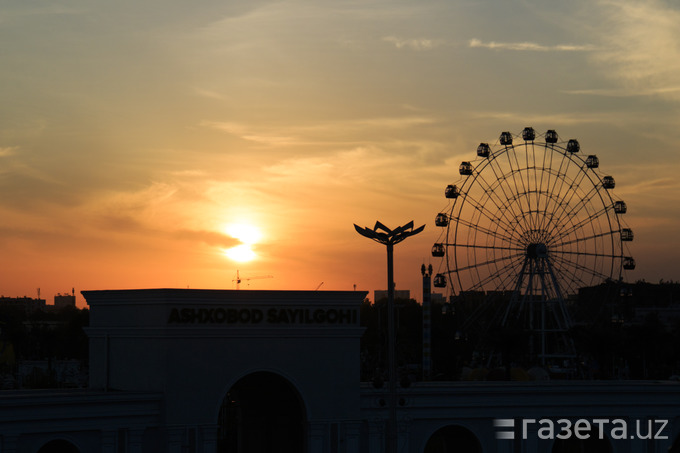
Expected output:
{"points": [[592, 161], [528, 134], [506, 138], [451, 191], [439, 281], [573, 146], [626, 234], [483, 150], [608, 182], [628, 263], [438, 250], [441, 220], [551, 136], [465, 168], [620, 207]]}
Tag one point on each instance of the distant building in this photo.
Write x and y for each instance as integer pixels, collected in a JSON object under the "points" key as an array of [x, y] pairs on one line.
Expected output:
{"points": [[64, 300], [668, 316], [27, 303], [398, 294], [437, 298]]}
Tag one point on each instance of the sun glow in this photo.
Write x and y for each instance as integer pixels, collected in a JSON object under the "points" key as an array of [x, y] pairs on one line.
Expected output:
{"points": [[248, 235], [241, 253]]}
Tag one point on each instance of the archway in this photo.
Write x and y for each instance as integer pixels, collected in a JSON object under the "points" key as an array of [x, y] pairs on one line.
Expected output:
{"points": [[453, 438], [59, 446], [262, 413], [575, 445]]}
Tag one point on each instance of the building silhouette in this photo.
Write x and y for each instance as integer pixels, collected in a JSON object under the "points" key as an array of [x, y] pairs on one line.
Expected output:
{"points": [[179, 370]]}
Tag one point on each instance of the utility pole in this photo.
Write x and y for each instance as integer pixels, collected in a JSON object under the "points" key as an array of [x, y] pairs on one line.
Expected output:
{"points": [[427, 323]]}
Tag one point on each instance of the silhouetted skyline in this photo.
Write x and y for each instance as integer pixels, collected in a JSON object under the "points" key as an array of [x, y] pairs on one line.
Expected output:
{"points": [[136, 139]]}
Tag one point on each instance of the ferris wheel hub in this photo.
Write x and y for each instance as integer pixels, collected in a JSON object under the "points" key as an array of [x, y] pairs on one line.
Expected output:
{"points": [[537, 250]]}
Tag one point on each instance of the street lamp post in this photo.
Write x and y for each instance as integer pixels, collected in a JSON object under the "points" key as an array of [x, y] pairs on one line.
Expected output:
{"points": [[380, 233]]}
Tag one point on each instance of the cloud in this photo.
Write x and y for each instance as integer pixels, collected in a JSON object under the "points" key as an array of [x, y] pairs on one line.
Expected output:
{"points": [[210, 94], [529, 46], [7, 150], [251, 134], [418, 44], [640, 46], [9, 14], [623, 92], [561, 118], [207, 237], [342, 132]]}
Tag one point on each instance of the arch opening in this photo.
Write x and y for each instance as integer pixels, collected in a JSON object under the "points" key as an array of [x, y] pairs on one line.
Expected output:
{"points": [[261, 413], [453, 438], [59, 446]]}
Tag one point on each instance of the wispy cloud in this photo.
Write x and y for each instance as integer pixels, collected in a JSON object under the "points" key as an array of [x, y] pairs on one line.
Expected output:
{"points": [[622, 92], [12, 14], [641, 46], [346, 132], [252, 134], [529, 46], [210, 94], [570, 118], [7, 150], [417, 44]]}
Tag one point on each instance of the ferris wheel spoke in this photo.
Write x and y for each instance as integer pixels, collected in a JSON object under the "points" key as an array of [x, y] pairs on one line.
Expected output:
{"points": [[487, 247], [583, 223], [587, 270], [523, 172], [480, 284], [522, 191], [503, 201], [510, 195], [548, 191], [569, 272], [582, 203], [499, 208], [560, 177], [544, 171], [547, 218], [582, 200], [526, 181], [536, 189], [486, 263], [552, 193], [484, 230], [593, 254], [513, 173], [479, 208], [585, 238], [565, 194]]}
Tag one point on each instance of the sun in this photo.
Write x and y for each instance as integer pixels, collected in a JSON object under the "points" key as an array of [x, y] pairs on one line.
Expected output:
{"points": [[241, 253], [248, 235]]}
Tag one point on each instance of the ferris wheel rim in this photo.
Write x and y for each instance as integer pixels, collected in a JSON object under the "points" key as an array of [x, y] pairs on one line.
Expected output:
{"points": [[568, 249]]}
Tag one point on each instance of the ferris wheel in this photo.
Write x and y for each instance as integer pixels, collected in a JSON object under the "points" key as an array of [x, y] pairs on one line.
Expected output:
{"points": [[533, 219]]}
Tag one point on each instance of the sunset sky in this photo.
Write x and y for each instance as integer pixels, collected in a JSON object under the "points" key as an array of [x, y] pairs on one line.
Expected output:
{"points": [[140, 140]]}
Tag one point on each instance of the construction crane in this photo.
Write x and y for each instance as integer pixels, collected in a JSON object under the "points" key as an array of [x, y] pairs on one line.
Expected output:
{"points": [[238, 279]]}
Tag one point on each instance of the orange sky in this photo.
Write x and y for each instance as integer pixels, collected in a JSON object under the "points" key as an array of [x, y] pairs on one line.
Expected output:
{"points": [[132, 135]]}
